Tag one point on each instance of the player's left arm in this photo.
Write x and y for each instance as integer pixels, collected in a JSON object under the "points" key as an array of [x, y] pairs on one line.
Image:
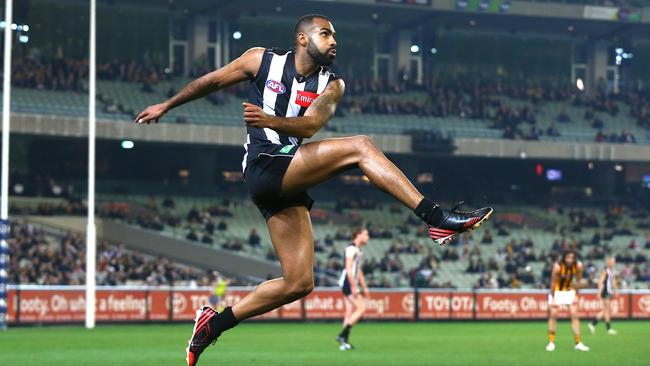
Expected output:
{"points": [[578, 279], [601, 283], [319, 112], [362, 281]]}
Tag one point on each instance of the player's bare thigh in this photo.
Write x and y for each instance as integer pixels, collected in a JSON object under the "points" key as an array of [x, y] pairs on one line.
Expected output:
{"points": [[605, 304], [349, 304], [292, 237], [315, 162], [354, 301]]}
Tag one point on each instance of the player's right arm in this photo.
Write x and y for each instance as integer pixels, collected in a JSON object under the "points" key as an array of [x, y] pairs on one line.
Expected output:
{"points": [[349, 269], [601, 283], [243, 68], [555, 277]]}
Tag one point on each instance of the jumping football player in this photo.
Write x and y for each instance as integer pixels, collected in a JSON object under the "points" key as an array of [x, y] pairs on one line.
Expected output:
{"points": [[292, 95]]}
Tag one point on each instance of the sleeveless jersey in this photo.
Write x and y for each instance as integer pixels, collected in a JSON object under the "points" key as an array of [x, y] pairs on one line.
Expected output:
{"points": [[354, 252], [609, 281], [280, 91], [565, 282]]}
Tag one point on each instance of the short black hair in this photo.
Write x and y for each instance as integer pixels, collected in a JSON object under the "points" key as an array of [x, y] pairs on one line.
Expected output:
{"points": [[307, 20]]}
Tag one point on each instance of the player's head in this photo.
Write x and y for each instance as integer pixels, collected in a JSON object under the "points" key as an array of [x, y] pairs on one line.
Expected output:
{"points": [[611, 262], [360, 236], [315, 33], [569, 257]]}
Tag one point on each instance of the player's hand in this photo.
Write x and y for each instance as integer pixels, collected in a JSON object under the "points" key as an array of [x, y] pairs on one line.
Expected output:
{"points": [[254, 116], [152, 113], [366, 293], [355, 291]]}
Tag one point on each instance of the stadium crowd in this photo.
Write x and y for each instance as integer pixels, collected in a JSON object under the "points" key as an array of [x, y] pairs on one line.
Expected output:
{"points": [[37, 257], [492, 99], [515, 262], [460, 96]]}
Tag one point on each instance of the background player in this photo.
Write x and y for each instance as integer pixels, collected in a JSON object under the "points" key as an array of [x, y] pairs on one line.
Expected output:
{"points": [[607, 288], [564, 277], [219, 294], [351, 278], [292, 95]]}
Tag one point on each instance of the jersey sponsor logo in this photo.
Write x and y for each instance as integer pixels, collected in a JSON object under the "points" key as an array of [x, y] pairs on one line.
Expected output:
{"points": [[286, 149], [275, 86], [304, 98]]}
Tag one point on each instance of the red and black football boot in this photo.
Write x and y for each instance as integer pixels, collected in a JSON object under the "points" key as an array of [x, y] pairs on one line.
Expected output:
{"points": [[202, 336], [455, 222]]}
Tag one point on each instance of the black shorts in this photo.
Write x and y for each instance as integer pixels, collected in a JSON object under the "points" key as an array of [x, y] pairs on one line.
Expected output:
{"points": [[263, 176], [347, 291], [605, 295]]}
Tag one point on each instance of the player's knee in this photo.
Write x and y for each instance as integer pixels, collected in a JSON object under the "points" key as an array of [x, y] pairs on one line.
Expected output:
{"points": [[300, 289], [364, 143]]}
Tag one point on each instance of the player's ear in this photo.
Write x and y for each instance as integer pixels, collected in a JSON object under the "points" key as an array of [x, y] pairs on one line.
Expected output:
{"points": [[302, 39]]}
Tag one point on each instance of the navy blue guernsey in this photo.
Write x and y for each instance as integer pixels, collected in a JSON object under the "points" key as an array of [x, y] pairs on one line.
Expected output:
{"points": [[280, 91]]}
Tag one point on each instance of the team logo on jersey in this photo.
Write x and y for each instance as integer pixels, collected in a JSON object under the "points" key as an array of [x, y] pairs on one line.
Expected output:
{"points": [[304, 99], [275, 86]]}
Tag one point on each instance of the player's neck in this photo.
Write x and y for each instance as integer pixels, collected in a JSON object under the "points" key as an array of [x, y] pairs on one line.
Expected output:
{"points": [[305, 64]]}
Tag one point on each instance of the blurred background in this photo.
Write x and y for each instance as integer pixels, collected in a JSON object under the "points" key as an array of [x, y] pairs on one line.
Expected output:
{"points": [[539, 108]]}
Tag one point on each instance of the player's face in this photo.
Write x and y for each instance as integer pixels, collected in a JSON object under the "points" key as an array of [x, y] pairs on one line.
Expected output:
{"points": [[322, 45], [611, 262], [364, 237], [569, 259]]}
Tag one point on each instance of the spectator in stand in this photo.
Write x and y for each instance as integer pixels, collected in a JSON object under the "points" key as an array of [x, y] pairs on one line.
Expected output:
{"points": [[254, 239], [552, 131]]}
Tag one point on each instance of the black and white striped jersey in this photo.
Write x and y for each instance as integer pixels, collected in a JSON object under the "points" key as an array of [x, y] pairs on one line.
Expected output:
{"points": [[279, 90], [351, 251]]}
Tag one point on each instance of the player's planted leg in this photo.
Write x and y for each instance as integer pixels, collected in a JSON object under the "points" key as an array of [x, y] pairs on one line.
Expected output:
{"points": [[355, 307], [575, 326], [342, 338], [552, 324]]}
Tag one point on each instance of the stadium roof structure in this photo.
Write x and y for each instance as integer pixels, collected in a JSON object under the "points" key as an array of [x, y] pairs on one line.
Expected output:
{"points": [[551, 18]]}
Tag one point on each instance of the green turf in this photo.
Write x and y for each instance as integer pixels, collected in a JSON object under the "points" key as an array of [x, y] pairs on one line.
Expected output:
{"points": [[313, 345]]}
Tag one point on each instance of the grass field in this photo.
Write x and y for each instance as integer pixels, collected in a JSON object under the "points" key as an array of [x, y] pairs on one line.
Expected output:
{"points": [[249, 344]]}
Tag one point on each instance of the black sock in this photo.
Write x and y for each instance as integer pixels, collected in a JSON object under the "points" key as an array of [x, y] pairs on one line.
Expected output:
{"points": [[429, 212], [345, 333], [224, 321], [607, 325], [594, 322]]}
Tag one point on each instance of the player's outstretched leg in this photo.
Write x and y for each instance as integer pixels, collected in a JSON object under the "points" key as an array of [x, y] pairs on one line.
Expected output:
{"points": [[292, 237], [318, 161]]}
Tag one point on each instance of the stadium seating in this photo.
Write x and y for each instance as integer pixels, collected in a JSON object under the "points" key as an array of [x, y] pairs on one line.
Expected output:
{"points": [[241, 216], [130, 99]]}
